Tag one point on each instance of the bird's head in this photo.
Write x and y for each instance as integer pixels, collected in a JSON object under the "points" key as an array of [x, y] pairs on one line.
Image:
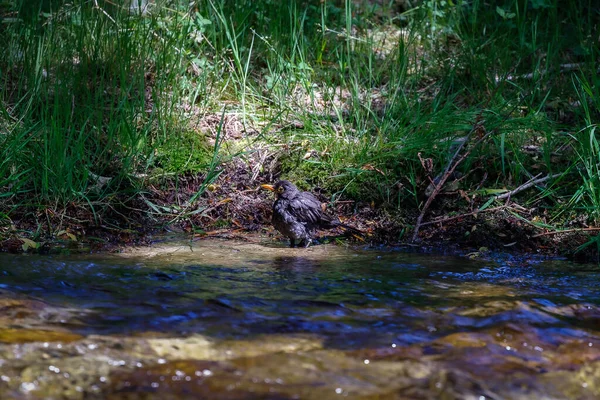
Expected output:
{"points": [[282, 189]]}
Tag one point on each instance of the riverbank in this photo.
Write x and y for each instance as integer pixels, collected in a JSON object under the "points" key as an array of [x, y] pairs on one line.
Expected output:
{"points": [[118, 124], [234, 206]]}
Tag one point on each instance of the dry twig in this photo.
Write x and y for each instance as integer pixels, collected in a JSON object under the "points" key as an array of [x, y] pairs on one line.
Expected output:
{"points": [[532, 182], [567, 231], [442, 220], [452, 164]]}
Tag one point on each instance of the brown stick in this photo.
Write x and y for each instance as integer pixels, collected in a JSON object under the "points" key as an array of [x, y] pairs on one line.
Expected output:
{"points": [[567, 231], [452, 165], [442, 220], [449, 170], [532, 182]]}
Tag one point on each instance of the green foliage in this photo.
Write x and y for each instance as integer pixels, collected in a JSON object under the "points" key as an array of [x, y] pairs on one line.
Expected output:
{"points": [[185, 152], [93, 89], [587, 195]]}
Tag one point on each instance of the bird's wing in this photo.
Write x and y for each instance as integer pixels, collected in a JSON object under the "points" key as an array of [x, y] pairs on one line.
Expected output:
{"points": [[306, 208]]}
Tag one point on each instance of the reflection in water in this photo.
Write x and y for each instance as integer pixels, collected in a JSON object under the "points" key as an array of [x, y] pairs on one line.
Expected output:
{"points": [[324, 321], [300, 264]]}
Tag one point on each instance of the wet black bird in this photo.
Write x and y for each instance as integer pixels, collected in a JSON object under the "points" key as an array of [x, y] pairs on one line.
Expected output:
{"points": [[298, 214]]}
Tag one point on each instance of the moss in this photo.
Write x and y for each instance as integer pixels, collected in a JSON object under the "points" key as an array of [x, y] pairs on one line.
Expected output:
{"points": [[362, 186], [306, 174], [187, 151]]}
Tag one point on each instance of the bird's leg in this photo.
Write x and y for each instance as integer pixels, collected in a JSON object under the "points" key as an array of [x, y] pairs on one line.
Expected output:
{"points": [[292, 243], [304, 243]]}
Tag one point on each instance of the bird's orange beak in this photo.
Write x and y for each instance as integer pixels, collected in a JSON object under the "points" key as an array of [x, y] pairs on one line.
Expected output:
{"points": [[268, 187]]}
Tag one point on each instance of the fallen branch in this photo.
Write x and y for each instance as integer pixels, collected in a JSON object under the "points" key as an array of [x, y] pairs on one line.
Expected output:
{"points": [[531, 75], [441, 220], [567, 231], [532, 182], [452, 164]]}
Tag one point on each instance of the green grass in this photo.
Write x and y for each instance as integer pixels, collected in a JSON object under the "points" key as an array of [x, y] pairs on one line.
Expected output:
{"points": [[374, 92], [92, 92]]}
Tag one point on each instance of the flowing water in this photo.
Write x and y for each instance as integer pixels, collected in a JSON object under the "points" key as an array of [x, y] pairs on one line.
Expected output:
{"points": [[236, 320]]}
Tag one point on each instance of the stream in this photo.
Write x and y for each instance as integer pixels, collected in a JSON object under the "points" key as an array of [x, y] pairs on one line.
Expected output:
{"points": [[224, 319]]}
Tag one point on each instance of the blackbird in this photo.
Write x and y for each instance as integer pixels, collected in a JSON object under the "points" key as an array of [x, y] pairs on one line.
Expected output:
{"points": [[298, 215]]}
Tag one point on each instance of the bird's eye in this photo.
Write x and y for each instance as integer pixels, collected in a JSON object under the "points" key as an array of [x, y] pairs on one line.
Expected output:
{"points": [[280, 189]]}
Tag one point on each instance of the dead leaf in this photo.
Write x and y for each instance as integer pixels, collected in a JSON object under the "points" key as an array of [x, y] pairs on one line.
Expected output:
{"points": [[28, 243], [369, 167]]}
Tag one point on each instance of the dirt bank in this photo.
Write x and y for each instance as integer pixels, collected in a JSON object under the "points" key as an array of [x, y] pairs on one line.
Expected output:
{"points": [[234, 205]]}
